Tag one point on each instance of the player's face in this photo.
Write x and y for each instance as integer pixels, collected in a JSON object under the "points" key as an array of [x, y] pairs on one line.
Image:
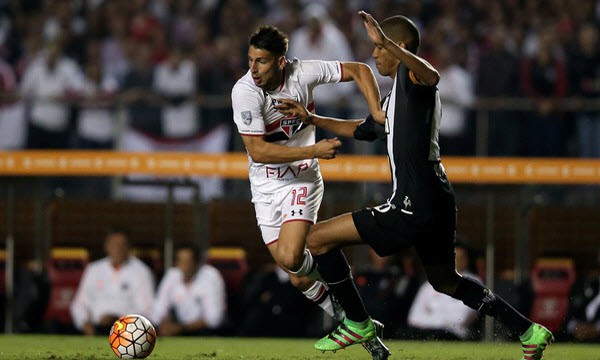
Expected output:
{"points": [[266, 68], [385, 62]]}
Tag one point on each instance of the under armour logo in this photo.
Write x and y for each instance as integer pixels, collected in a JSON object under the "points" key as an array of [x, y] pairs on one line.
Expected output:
{"points": [[299, 212]]}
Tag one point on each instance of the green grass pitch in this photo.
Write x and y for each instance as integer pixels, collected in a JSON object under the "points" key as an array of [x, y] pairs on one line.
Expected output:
{"points": [[25, 347]]}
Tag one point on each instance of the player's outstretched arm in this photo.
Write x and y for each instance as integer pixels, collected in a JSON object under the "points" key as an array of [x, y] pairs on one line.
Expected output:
{"points": [[265, 152], [363, 76], [339, 127], [423, 70]]}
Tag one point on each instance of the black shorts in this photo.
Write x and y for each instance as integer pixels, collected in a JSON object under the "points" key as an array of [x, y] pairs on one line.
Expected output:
{"points": [[388, 231]]}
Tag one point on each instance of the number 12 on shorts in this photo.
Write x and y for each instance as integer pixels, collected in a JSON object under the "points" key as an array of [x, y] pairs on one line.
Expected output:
{"points": [[298, 196]]}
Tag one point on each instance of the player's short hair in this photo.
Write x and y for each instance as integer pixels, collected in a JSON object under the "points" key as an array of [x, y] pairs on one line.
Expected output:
{"points": [[271, 39], [401, 29]]}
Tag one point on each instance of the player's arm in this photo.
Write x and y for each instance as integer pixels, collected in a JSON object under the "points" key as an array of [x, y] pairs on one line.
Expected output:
{"points": [[265, 152], [425, 73], [339, 127], [363, 76], [359, 129]]}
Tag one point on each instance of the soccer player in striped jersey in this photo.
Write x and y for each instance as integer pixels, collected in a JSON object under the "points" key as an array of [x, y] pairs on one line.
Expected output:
{"points": [[421, 210], [285, 179]]}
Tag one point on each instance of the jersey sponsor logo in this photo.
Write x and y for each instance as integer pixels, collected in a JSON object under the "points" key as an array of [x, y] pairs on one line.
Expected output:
{"points": [[289, 171], [246, 117]]}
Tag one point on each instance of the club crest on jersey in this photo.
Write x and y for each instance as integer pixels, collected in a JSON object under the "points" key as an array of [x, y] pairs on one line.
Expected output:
{"points": [[246, 117], [290, 126]]}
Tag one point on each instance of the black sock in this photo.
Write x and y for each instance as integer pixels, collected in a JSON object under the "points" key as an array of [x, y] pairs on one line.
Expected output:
{"points": [[482, 299], [335, 271]]}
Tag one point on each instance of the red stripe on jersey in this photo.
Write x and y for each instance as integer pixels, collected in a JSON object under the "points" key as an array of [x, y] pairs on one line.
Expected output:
{"points": [[272, 126], [341, 71], [272, 242], [311, 106], [252, 134]]}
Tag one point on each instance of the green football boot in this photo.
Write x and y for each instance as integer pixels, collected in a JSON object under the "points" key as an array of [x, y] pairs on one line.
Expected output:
{"points": [[534, 342], [346, 334]]}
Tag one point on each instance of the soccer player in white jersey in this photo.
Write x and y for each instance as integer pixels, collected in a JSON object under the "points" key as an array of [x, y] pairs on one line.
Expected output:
{"points": [[285, 179]]}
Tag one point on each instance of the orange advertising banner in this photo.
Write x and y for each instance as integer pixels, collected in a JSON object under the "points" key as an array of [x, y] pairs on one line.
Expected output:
{"points": [[343, 168]]}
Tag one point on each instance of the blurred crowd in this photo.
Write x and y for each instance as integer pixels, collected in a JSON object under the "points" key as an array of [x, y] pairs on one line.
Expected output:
{"points": [[66, 65]]}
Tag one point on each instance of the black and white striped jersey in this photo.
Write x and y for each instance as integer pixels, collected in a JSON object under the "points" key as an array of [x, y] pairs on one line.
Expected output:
{"points": [[413, 115]]}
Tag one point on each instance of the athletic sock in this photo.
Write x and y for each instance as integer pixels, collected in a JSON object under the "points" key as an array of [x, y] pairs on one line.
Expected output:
{"points": [[319, 294], [335, 271], [482, 299]]}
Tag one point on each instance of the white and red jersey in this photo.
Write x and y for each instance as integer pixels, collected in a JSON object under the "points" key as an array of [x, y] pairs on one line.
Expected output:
{"points": [[254, 115]]}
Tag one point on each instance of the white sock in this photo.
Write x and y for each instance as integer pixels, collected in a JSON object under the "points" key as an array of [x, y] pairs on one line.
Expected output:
{"points": [[308, 267], [319, 294]]}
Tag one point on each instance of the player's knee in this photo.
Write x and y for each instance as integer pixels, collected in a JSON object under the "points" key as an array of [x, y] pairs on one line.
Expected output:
{"points": [[291, 259]]}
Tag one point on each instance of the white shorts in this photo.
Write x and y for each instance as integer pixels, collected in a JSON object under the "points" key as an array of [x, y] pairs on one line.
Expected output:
{"points": [[300, 201]]}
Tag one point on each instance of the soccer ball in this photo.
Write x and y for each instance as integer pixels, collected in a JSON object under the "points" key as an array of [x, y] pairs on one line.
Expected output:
{"points": [[132, 337]]}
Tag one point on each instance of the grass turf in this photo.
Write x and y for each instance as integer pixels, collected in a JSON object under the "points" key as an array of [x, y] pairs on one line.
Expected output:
{"points": [[24, 347]]}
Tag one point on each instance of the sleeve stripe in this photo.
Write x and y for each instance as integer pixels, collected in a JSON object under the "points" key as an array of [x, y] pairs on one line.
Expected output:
{"points": [[252, 134], [341, 71]]}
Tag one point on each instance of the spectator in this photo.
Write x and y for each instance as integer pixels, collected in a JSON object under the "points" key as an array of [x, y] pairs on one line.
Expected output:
{"points": [[191, 297], [544, 80], [437, 315], [321, 39], [497, 75], [585, 83], [174, 82], [48, 83], [456, 93], [584, 318], [96, 125], [111, 287], [12, 121]]}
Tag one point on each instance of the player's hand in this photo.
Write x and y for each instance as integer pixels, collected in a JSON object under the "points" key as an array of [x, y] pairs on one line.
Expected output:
{"points": [[373, 29], [293, 108], [327, 148]]}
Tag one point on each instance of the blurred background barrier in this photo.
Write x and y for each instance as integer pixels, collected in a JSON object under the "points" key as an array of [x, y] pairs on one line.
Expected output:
{"points": [[350, 168]]}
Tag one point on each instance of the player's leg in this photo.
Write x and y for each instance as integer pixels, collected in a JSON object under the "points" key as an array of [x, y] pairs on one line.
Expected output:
{"points": [[314, 290], [325, 239], [438, 259]]}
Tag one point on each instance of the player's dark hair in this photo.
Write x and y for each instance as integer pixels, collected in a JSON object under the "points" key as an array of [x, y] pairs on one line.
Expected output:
{"points": [[401, 29], [197, 253], [271, 39]]}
